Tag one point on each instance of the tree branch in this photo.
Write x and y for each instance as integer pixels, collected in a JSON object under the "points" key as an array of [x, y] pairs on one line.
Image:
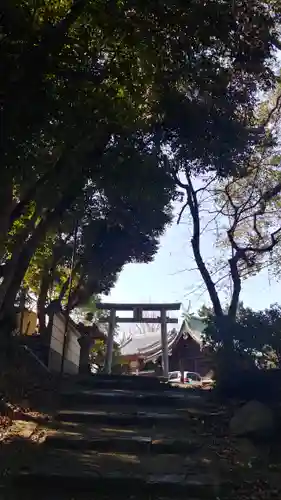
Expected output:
{"points": [[195, 242], [182, 211], [236, 280]]}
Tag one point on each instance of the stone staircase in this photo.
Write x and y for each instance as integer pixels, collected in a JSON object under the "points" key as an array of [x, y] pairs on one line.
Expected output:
{"points": [[127, 437]]}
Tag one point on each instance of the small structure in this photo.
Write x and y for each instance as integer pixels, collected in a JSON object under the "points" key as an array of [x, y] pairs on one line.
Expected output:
{"points": [[185, 349], [72, 348], [55, 344], [137, 310]]}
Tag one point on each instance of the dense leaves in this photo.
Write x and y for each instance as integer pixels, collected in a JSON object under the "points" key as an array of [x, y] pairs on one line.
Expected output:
{"points": [[256, 336], [243, 213], [96, 99]]}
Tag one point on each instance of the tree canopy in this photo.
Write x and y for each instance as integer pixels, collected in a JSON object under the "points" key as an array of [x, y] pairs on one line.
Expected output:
{"points": [[241, 213], [97, 98], [256, 335]]}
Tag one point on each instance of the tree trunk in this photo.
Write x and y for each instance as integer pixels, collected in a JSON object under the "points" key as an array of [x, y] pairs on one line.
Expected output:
{"points": [[15, 279], [195, 242], [236, 280], [6, 207], [42, 299], [46, 281], [11, 266]]}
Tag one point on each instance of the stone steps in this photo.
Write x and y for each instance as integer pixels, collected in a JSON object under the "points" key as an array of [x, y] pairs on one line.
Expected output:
{"points": [[116, 485], [117, 382], [77, 471], [147, 399], [128, 444], [112, 418], [93, 431], [101, 442]]}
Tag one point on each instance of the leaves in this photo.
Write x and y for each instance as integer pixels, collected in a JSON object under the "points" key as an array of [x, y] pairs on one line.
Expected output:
{"points": [[242, 212], [103, 102], [256, 335]]}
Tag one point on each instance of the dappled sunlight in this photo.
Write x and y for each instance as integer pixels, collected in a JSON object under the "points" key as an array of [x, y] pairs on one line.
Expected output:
{"points": [[118, 430], [131, 459]]}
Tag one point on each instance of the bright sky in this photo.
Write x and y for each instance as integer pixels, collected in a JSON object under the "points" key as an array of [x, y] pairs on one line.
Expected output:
{"points": [[172, 277]]}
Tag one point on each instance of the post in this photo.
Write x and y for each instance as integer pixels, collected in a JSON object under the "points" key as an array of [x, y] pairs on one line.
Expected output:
{"points": [[164, 339], [110, 341]]}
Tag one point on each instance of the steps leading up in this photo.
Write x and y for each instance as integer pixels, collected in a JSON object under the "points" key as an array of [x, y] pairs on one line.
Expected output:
{"points": [[117, 382], [144, 419], [78, 471], [183, 398], [129, 443], [123, 441]]}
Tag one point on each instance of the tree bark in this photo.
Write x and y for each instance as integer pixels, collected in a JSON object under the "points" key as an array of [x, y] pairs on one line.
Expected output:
{"points": [[42, 300], [46, 282], [6, 207], [195, 242], [236, 280], [10, 291], [10, 267]]}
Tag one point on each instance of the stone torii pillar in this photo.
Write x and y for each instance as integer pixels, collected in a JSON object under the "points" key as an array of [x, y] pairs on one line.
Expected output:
{"points": [[138, 317], [89, 334], [164, 342], [110, 341]]}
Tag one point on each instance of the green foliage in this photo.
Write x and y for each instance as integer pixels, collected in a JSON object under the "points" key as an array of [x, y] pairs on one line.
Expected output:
{"points": [[252, 203], [243, 213], [255, 336], [88, 313], [97, 355], [97, 98], [259, 333]]}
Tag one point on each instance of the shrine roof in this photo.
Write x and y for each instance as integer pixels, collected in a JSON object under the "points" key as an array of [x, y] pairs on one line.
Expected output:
{"points": [[148, 345]]}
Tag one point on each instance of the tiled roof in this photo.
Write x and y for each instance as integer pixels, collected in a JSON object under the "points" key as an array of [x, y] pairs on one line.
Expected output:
{"points": [[144, 343], [195, 327], [149, 345]]}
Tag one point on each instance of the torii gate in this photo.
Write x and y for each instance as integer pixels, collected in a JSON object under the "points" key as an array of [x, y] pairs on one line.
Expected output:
{"points": [[138, 317]]}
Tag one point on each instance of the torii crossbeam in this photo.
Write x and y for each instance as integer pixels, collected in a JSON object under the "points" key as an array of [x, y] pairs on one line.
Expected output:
{"points": [[137, 310]]}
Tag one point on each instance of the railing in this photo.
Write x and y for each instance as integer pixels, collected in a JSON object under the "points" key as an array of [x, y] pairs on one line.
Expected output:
{"points": [[35, 357]]}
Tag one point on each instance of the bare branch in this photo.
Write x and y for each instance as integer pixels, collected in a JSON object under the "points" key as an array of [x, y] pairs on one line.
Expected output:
{"points": [[205, 188], [217, 214], [182, 211]]}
